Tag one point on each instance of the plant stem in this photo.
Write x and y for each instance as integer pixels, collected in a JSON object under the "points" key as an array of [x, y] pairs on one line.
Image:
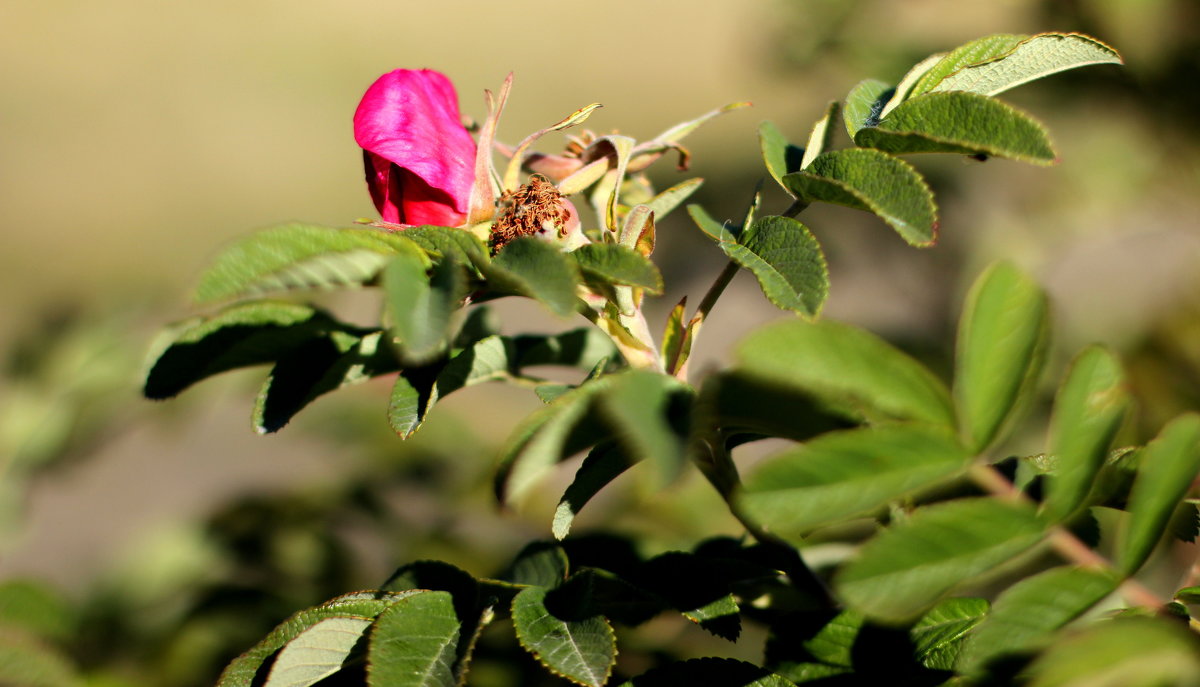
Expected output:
{"points": [[1062, 540], [717, 466]]}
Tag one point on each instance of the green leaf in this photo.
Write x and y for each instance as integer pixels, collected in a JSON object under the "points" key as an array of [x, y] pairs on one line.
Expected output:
{"points": [[957, 122], [821, 136], [29, 662], [583, 348], [540, 564], [911, 565], [316, 368], [720, 617], [787, 261], [662, 204], [1125, 652], [535, 268], [420, 307], [544, 438], [603, 464], [1168, 466], [740, 405], [850, 369], [780, 157], [240, 336], [719, 231], [299, 256], [1001, 346], [846, 474], [1089, 409], [647, 411], [1027, 614], [447, 243], [938, 636], [582, 650], [317, 652], [975, 52], [718, 672], [242, 670], [864, 104], [415, 643], [1036, 57], [866, 179], [904, 89], [617, 264], [36, 608], [1188, 595]]}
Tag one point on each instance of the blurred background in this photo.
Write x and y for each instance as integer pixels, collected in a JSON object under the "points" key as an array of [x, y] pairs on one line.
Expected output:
{"points": [[152, 542]]}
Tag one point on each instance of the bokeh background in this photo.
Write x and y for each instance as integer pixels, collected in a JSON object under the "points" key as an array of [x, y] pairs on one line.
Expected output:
{"points": [[139, 137]]}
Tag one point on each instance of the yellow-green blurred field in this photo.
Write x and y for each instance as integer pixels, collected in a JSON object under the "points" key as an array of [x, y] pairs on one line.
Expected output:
{"points": [[139, 137]]}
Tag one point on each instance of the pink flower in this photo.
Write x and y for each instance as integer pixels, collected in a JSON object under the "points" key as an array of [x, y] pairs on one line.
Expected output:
{"points": [[420, 160]]}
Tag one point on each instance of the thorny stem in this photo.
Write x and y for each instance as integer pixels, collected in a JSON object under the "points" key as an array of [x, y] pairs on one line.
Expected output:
{"points": [[1061, 540]]}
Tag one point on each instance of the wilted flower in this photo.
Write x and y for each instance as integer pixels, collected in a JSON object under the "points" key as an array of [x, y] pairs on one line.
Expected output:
{"points": [[420, 160]]}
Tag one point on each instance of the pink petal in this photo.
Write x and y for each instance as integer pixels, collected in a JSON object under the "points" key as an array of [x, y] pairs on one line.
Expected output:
{"points": [[420, 160]]}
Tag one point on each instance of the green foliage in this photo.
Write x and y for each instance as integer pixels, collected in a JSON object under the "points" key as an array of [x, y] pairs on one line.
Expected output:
{"points": [[910, 566], [847, 368], [894, 467], [1001, 344], [866, 179]]}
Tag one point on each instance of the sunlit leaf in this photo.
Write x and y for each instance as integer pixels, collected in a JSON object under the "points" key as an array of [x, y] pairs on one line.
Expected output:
{"points": [[1036, 57], [911, 565], [1088, 411], [1026, 614], [300, 256], [317, 652], [535, 268], [780, 157], [239, 336], [616, 264], [603, 464], [938, 636], [787, 260], [420, 306], [844, 474], [821, 136], [977, 51], [414, 643], [1166, 471], [867, 179], [582, 650], [850, 369], [1000, 350], [958, 122], [316, 368], [864, 104], [242, 671], [719, 231], [1125, 652]]}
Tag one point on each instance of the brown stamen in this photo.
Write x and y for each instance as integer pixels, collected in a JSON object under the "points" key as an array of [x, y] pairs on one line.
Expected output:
{"points": [[531, 209]]}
